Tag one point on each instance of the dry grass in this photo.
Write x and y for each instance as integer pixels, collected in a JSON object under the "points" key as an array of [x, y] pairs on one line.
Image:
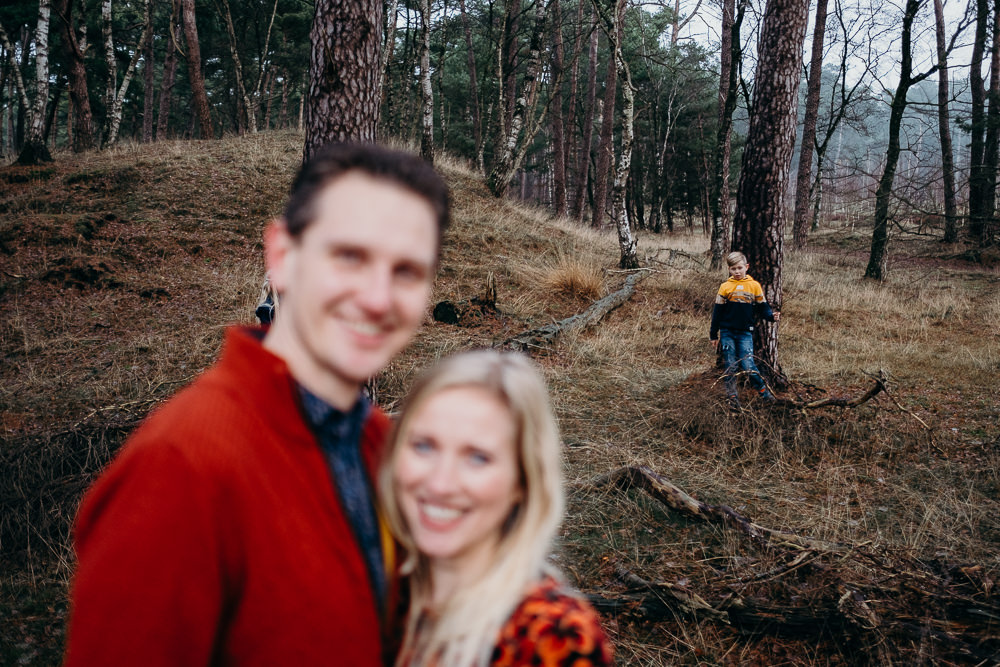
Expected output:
{"points": [[119, 270]]}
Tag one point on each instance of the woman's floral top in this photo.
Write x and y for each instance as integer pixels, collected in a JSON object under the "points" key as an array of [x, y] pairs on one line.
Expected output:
{"points": [[552, 628]]}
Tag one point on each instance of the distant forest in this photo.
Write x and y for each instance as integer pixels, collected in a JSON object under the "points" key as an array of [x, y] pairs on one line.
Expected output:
{"points": [[536, 85]]}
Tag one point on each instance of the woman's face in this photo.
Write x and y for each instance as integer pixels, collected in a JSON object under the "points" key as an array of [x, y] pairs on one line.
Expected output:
{"points": [[456, 476]]}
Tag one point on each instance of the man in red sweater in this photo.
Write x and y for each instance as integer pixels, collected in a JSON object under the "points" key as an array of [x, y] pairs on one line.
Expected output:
{"points": [[237, 525]]}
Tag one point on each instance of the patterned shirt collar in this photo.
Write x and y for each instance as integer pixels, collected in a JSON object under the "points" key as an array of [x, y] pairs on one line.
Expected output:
{"points": [[333, 425]]}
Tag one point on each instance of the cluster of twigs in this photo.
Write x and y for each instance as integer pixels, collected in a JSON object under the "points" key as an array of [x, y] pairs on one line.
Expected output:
{"points": [[886, 603]]}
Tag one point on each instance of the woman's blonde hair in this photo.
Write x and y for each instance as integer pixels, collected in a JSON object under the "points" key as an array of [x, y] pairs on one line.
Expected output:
{"points": [[464, 630]]}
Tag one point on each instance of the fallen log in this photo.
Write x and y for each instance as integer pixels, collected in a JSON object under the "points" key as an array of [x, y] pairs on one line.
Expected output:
{"points": [[828, 590], [661, 489], [547, 335]]}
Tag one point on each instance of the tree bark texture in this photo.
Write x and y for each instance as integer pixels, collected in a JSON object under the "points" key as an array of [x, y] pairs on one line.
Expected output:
{"points": [[509, 155], [991, 144], [343, 99], [148, 85], [477, 124], [168, 78], [977, 130], [83, 117], [426, 91], [758, 227], [944, 129], [572, 136], [118, 96], [583, 166], [558, 133], [626, 239], [605, 145], [112, 64], [803, 179], [388, 47], [200, 98], [34, 149]]}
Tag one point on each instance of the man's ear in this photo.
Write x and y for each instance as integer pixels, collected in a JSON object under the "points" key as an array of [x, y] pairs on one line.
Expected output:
{"points": [[277, 246]]}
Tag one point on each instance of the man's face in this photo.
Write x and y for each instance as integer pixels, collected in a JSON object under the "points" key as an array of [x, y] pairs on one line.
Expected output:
{"points": [[354, 286]]}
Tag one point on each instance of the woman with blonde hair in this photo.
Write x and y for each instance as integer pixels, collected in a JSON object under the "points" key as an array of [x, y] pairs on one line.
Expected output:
{"points": [[472, 489]]}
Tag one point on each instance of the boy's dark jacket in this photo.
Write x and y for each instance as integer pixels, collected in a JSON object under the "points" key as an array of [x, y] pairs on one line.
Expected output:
{"points": [[742, 303]]}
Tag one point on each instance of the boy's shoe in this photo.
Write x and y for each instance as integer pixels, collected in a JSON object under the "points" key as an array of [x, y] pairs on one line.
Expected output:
{"points": [[766, 396], [733, 403]]}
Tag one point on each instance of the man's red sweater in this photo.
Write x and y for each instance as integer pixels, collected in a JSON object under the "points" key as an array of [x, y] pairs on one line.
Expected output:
{"points": [[217, 537]]}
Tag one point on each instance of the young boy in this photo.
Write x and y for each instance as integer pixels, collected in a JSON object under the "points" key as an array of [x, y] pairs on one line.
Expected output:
{"points": [[737, 305]]}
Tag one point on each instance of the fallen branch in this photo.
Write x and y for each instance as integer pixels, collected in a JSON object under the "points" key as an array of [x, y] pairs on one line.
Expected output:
{"points": [[837, 591], [880, 387], [673, 497], [547, 335]]}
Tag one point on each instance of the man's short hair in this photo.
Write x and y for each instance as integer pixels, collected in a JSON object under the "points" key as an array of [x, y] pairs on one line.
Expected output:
{"points": [[336, 159], [734, 258]]}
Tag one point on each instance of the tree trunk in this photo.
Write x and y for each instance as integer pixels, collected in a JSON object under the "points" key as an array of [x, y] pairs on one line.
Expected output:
{"points": [[558, 134], [509, 155], [118, 97], [569, 119], [169, 74], [200, 98], [605, 146], [344, 74], [944, 130], [426, 92], [758, 227], [991, 145], [626, 240], [234, 53], [388, 48], [977, 131], [583, 166], [800, 226], [878, 259], [112, 74], [34, 150], [83, 117], [728, 79], [508, 63], [477, 124], [148, 83]]}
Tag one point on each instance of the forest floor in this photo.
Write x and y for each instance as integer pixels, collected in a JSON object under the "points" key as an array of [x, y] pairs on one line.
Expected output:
{"points": [[119, 271]]}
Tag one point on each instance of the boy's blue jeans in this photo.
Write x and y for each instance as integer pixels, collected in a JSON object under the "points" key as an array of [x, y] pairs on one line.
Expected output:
{"points": [[737, 355]]}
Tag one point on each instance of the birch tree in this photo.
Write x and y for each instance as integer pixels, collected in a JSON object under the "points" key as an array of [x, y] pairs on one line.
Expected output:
{"points": [[34, 150], [512, 147], [426, 90], [116, 94], [612, 21]]}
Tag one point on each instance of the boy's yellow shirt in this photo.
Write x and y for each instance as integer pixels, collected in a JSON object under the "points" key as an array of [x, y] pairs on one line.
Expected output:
{"points": [[746, 290]]}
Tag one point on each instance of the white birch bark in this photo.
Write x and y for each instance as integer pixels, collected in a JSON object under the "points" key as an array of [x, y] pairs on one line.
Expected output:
{"points": [[34, 149], [426, 90], [115, 113]]}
